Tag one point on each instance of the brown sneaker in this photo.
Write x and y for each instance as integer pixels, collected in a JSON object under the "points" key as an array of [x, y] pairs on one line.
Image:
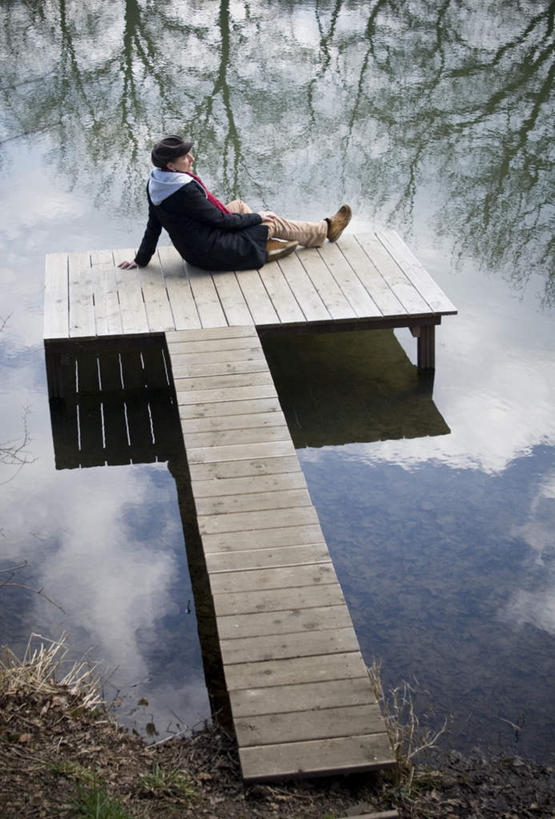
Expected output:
{"points": [[338, 223], [277, 250]]}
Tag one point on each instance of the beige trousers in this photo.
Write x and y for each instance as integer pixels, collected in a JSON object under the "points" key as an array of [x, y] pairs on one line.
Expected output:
{"points": [[309, 234]]}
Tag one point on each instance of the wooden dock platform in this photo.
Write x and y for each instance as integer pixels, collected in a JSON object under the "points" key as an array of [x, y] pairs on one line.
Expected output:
{"points": [[372, 280], [299, 690]]}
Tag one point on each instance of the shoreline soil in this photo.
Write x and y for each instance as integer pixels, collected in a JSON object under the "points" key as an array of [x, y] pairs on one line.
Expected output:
{"points": [[60, 754]]}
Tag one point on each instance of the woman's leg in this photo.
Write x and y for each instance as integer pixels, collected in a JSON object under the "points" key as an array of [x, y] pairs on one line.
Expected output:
{"points": [[238, 206], [309, 234]]}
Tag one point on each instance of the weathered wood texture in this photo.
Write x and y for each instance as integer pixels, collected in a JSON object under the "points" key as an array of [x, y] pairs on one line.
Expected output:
{"points": [[300, 696], [361, 280]]}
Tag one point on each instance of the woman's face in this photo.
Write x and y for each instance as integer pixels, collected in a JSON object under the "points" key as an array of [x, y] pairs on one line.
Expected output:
{"points": [[182, 163]]}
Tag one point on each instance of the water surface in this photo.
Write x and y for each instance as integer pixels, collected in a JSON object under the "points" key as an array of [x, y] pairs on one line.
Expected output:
{"points": [[438, 501]]}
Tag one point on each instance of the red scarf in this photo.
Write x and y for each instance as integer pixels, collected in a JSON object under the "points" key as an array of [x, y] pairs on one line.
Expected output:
{"points": [[211, 197]]}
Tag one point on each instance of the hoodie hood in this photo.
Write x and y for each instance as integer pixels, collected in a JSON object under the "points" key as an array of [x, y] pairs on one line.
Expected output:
{"points": [[162, 184]]}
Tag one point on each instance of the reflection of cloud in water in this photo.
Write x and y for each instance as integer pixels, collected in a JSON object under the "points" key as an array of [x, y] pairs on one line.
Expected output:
{"points": [[536, 605], [106, 544]]}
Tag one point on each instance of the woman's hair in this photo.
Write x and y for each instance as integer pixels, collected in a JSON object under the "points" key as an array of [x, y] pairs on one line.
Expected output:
{"points": [[169, 148]]}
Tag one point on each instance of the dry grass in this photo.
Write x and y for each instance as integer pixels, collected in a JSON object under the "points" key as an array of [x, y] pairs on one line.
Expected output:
{"points": [[408, 738], [41, 671]]}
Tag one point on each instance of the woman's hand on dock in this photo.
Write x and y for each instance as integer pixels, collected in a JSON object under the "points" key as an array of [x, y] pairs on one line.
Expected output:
{"points": [[127, 265]]}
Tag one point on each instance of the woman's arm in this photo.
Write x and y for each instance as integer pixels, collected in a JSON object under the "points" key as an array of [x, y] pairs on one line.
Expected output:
{"points": [[150, 239], [192, 199]]}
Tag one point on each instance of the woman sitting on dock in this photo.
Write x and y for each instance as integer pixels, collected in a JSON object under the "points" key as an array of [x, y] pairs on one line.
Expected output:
{"points": [[212, 235]]}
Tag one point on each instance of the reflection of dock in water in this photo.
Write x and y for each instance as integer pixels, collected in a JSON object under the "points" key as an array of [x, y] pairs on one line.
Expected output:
{"points": [[300, 698]]}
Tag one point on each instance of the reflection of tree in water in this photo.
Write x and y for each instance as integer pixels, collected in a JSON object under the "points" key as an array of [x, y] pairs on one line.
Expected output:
{"points": [[379, 100]]}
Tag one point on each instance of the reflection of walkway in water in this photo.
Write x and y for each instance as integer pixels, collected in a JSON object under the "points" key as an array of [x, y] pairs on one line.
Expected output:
{"points": [[298, 688]]}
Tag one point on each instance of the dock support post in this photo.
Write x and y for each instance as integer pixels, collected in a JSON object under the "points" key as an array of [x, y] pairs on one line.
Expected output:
{"points": [[426, 343]]}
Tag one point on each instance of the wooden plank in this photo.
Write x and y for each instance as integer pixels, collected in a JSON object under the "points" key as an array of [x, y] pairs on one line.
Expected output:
{"points": [[188, 370], [287, 577], [281, 646], [415, 271], [206, 297], [182, 303], [393, 276], [56, 296], [81, 301], [221, 409], [290, 698], [295, 671], [211, 345], [358, 296], [240, 452], [155, 297], [282, 298], [233, 422], [291, 621], [243, 331], [302, 288], [223, 382], [343, 754], [250, 435], [107, 309], [243, 486], [101, 258], [381, 293], [266, 558], [258, 300], [263, 538], [300, 597], [184, 358], [252, 501], [245, 521], [328, 289], [347, 721], [231, 297], [218, 396], [133, 314]]}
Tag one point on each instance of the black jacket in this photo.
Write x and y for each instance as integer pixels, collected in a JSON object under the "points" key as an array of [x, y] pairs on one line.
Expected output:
{"points": [[202, 234]]}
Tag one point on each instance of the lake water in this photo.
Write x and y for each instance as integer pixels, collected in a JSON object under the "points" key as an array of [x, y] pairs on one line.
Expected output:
{"points": [[438, 506]]}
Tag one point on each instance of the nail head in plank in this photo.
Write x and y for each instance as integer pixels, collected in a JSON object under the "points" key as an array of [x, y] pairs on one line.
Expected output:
{"points": [[281, 577], [302, 288], [295, 671], [317, 757], [182, 303], [415, 271], [220, 409], [267, 558], [280, 646], [328, 289], [263, 539], [206, 297], [280, 293], [245, 521], [301, 597], [290, 698], [312, 724], [253, 501], [381, 293], [231, 297], [284, 622], [254, 292]]}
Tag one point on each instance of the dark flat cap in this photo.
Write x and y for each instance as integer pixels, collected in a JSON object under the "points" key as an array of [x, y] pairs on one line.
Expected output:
{"points": [[168, 149]]}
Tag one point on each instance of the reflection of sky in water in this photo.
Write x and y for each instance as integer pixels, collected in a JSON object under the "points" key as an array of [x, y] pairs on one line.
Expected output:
{"points": [[449, 575], [444, 544], [115, 562]]}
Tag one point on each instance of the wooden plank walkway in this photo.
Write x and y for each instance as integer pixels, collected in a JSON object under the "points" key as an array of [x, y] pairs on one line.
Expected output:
{"points": [[299, 690], [300, 696], [368, 280]]}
